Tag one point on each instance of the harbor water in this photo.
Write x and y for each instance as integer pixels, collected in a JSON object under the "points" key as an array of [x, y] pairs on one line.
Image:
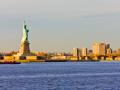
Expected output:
{"points": [[61, 76]]}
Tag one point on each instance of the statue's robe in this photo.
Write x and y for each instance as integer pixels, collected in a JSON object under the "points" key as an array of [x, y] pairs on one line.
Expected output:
{"points": [[25, 34]]}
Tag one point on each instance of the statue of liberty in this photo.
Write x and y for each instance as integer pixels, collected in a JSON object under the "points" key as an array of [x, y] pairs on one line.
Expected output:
{"points": [[25, 33], [25, 45]]}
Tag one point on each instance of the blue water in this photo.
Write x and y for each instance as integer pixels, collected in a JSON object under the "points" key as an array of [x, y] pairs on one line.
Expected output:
{"points": [[61, 76]]}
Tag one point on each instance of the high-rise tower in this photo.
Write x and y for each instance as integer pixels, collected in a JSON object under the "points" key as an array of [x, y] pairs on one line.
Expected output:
{"points": [[99, 48]]}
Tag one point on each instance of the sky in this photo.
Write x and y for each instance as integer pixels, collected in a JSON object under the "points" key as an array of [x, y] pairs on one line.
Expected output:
{"points": [[59, 25]]}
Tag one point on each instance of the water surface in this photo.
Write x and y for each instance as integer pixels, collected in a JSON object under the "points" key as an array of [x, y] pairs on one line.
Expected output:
{"points": [[61, 76]]}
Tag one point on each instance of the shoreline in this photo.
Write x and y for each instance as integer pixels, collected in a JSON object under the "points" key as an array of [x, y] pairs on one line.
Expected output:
{"points": [[49, 60]]}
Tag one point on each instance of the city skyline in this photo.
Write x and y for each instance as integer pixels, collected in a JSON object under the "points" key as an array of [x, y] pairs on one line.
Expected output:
{"points": [[57, 26]]}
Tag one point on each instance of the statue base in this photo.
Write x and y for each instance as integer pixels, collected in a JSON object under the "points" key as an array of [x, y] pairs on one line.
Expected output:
{"points": [[24, 50]]}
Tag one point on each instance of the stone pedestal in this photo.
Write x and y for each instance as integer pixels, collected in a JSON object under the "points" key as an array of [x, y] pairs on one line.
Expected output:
{"points": [[24, 48]]}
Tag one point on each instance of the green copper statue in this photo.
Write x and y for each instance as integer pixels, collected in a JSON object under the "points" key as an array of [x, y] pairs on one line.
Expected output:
{"points": [[25, 33]]}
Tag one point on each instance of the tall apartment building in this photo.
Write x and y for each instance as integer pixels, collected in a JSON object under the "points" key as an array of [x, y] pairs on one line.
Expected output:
{"points": [[75, 52], [99, 48], [83, 51]]}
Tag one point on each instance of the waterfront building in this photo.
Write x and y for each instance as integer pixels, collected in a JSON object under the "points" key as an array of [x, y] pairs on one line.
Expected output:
{"points": [[107, 46], [75, 52], [59, 57], [90, 52], [99, 48], [118, 51], [114, 52], [109, 51], [83, 51]]}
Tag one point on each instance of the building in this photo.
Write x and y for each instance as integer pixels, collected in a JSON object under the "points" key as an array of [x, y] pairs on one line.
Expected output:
{"points": [[99, 48], [75, 52], [108, 46], [118, 51], [90, 52], [59, 57], [109, 51], [83, 52]]}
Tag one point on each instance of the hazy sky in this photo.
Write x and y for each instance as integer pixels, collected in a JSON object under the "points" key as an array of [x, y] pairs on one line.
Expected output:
{"points": [[59, 25]]}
